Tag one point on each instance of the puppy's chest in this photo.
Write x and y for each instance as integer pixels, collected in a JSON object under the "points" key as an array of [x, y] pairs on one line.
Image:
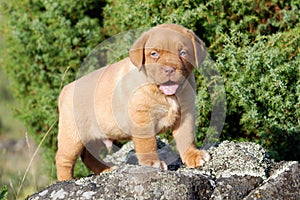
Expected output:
{"points": [[166, 108], [165, 114], [151, 109], [160, 113]]}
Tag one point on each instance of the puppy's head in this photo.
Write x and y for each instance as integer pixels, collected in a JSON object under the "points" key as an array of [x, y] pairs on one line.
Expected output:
{"points": [[167, 53]]}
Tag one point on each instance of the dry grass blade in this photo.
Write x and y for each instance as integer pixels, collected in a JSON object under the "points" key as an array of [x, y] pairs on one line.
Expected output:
{"points": [[32, 158]]}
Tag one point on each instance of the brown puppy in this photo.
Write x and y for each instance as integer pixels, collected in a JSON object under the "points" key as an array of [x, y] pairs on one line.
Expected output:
{"points": [[135, 98]]}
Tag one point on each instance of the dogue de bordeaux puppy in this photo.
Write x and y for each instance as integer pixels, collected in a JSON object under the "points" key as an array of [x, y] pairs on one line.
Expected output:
{"points": [[136, 98]]}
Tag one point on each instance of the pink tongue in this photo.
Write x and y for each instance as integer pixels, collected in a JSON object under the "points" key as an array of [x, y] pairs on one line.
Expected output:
{"points": [[168, 89]]}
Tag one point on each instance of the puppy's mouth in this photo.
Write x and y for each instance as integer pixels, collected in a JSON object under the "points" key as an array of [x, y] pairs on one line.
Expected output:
{"points": [[169, 88]]}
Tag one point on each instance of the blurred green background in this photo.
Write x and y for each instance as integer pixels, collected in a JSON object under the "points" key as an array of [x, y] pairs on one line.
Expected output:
{"points": [[255, 46], [16, 150]]}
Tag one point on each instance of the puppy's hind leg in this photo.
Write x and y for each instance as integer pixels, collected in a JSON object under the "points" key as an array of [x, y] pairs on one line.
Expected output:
{"points": [[91, 158], [69, 149]]}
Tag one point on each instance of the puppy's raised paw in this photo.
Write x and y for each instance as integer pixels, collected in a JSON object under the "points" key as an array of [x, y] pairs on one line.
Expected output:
{"points": [[195, 158]]}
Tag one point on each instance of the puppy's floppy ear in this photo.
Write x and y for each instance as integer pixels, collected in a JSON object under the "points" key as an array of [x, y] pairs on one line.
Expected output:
{"points": [[137, 51], [199, 49]]}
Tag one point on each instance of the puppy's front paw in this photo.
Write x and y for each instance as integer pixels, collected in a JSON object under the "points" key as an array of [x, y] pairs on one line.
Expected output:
{"points": [[195, 158], [160, 164], [155, 163]]}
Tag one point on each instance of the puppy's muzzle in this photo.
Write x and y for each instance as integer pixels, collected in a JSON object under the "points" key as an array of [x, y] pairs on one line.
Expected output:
{"points": [[169, 71]]}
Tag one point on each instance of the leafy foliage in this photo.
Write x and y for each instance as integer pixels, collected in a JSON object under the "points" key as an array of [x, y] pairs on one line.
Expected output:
{"points": [[209, 19], [261, 80], [255, 45]]}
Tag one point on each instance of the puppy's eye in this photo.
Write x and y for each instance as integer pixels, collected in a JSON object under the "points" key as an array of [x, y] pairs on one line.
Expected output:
{"points": [[183, 53], [154, 54]]}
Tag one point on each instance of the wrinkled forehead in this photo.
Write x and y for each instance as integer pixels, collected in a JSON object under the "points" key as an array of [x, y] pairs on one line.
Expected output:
{"points": [[169, 40]]}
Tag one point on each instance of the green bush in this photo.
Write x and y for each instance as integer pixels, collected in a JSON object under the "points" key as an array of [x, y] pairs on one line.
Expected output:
{"points": [[46, 41], [209, 19], [262, 90]]}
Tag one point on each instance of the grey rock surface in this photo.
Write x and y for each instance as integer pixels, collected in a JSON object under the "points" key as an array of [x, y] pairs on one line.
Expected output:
{"points": [[283, 184], [235, 171], [235, 187], [229, 158], [131, 182]]}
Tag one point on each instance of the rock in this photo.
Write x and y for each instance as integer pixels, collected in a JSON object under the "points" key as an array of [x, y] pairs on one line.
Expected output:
{"points": [[235, 171], [131, 182], [229, 158], [283, 184]]}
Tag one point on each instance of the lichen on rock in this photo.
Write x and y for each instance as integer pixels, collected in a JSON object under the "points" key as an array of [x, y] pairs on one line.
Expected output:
{"points": [[241, 159]]}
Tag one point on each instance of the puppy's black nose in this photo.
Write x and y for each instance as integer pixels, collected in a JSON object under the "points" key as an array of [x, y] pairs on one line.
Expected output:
{"points": [[169, 70]]}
